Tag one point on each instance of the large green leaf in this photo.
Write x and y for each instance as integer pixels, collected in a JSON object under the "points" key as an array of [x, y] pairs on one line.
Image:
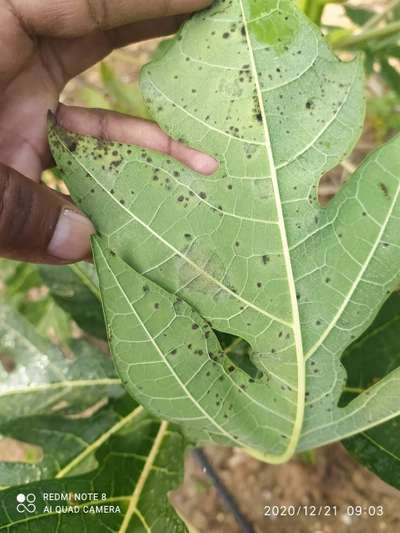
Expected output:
{"points": [[249, 248], [368, 360], [42, 379], [137, 461]]}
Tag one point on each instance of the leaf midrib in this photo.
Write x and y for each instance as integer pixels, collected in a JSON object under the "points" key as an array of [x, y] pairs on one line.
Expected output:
{"points": [[380, 447], [298, 423], [134, 499], [98, 442]]}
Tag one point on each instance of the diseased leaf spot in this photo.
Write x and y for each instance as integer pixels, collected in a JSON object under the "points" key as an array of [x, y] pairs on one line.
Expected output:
{"points": [[384, 189]]}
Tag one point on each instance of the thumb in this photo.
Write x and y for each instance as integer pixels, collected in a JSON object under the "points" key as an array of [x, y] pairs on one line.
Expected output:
{"points": [[39, 225]]}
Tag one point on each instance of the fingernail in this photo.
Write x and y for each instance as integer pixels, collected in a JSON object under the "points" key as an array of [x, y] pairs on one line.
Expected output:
{"points": [[70, 241], [203, 163]]}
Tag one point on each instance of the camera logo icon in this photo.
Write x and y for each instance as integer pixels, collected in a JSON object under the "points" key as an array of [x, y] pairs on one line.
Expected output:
{"points": [[26, 503]]}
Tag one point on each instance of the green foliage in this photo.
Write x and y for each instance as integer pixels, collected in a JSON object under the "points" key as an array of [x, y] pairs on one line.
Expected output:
{"points": [[379, 45], [75, 289], [125, 98], [217, 287], [375, 355], [115, 95], [358, 15], [42, 375], [383, 114], [249, 248], [23, 288], [129, 462]]}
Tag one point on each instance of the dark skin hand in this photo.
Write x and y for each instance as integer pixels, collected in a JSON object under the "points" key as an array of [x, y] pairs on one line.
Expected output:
{"points": [[45, 43]]}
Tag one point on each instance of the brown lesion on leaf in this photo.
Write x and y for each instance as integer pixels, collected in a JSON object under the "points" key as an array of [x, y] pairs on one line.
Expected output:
{"points": [[384, 189], [60, 137]]}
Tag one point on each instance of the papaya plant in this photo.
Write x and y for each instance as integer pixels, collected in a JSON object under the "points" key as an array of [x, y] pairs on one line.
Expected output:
{"points": [[191, 266]]}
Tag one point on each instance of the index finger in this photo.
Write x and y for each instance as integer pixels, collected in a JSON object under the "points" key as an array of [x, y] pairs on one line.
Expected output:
{"points": [[74, 18]]}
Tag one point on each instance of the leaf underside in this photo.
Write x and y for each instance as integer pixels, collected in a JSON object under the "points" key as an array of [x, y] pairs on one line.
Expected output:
{"points": [[247, 251]]}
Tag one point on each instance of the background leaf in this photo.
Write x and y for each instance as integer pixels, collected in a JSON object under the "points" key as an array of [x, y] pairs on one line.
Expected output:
{"points": [[23, 289], [42, 379], [125, 98], [138, 464], [75, 289], [60, 442], [369, 359], [359, 16]]}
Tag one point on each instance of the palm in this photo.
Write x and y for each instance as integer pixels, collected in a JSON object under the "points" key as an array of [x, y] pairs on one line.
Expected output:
{"points": [[32, 86], [25, 99]]}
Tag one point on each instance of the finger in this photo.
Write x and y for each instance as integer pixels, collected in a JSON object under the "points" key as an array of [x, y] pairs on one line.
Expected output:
{"points": [[38, 225], [122, 128], [74, 18], [99, 44]]}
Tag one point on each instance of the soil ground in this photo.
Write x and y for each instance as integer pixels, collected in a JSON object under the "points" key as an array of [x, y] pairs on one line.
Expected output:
{"points": [[332, 479]]}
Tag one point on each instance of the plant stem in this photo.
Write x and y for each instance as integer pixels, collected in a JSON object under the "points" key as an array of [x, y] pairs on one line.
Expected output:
{"points": [[353, 390], [375, 20], [233, 345], [316, 11], [361, 38]]}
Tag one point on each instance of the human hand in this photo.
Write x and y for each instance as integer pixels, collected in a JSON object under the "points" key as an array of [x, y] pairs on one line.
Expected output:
{"points": [[44, 44]]}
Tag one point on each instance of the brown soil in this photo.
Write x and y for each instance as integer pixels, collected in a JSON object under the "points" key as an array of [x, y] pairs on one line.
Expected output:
{"points": [[331, 479]]}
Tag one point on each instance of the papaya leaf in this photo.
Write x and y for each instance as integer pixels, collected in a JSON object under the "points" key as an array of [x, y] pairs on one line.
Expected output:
{"points": [[137, 461], [75, 289], [247, 251], [42, 379], [368, 360], [359, 16], [18, 285], [63, 444], [378, 449]]}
